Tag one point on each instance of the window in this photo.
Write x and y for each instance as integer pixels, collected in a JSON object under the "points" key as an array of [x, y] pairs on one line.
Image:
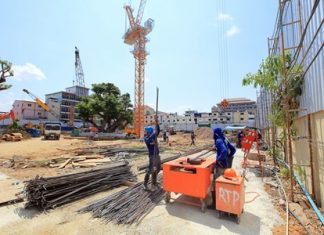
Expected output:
{"points": [[228, 113], [189, 120], [39, 113], [29, 105], [242, 113], [242, 119], [39, 106]]}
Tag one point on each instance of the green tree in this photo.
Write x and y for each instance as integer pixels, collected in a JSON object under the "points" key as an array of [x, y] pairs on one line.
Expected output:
{"points": [[285, 84], [108, 105], [5, 71]]}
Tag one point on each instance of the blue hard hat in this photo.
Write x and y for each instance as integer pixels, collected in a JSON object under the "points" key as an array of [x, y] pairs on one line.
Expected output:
{"points": [[218, 132], [149, 130]]}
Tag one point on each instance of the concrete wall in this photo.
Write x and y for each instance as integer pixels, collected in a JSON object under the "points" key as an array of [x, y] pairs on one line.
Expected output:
{"points": [[301, 153]]}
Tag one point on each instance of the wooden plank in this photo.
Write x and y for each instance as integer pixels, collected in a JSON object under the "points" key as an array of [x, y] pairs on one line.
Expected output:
{"points": [[96, 160], [65, 163], [84, 164]]}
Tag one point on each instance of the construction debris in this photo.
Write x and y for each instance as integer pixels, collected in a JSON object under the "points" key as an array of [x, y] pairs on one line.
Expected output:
{"points": [[12, 137], [128, 206], [48, 193]]}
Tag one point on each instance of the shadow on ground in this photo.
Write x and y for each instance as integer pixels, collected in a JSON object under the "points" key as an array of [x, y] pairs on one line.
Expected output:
{"points": [[27, 213], [250, 223]]}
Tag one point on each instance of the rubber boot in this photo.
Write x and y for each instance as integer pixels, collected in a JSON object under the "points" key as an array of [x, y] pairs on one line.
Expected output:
{"points": [[154, 178], [146, 179]]}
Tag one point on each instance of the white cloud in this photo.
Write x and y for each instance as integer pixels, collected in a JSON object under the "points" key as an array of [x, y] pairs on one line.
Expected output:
{"points": [[224, 17], [232, 31], [27, 71], [147, 79]]}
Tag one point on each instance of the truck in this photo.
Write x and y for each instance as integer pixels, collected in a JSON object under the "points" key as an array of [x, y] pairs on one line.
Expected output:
{"points": [[52, 130]]}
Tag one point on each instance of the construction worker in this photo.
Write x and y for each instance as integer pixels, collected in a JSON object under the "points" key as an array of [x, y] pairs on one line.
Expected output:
{"points": [[153, 154], [224, 158], [165, 137], [240, 137], [193, 137], [225, 152]]}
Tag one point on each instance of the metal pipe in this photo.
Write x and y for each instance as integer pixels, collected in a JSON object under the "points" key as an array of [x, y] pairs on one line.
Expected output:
{"points": [[318, 213], [310, 200]]}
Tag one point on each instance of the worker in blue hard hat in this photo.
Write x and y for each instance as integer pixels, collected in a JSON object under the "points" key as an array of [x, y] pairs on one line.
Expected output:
{"points": [[225, 150], [224, 158], [150, 139]]}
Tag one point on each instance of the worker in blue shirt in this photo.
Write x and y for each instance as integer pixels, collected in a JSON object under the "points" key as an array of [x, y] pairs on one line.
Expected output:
{"points": [[225, 152], [153, 154], [224, 158]]}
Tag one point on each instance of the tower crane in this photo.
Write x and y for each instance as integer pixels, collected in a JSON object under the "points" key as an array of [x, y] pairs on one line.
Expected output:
{"points": [[136, 36]]}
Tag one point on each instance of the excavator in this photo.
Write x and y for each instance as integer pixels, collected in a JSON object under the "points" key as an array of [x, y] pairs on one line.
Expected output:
{"points": [[10, 114]]}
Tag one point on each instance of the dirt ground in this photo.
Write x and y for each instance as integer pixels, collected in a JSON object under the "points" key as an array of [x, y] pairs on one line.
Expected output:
{"points": [[172, 218], [39, 149]]}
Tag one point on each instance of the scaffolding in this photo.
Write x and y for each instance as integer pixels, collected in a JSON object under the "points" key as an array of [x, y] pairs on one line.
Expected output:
{"points": [[298, 31]]}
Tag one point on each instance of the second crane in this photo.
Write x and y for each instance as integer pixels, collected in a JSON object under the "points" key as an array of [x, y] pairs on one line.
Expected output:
{"points": [[136, 35]]}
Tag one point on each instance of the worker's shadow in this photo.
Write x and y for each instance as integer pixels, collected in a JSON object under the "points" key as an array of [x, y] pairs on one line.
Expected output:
{"points": [[27, 213], [249, 224]]}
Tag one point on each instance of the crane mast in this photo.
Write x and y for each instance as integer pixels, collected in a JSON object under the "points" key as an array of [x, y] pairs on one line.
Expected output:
{"points": [[136, 36], [79, 75]]}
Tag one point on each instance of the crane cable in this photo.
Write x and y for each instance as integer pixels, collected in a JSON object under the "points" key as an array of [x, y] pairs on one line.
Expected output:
{"points": [[223, 71]]}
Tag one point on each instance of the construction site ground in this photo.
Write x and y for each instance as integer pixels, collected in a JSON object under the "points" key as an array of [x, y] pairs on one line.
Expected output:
{"points": [[259, 217]]}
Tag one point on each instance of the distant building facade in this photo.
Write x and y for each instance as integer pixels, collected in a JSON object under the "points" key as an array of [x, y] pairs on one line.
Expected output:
{"points": [[61, 102], [28, 110], [194, 119], [238, 105]]}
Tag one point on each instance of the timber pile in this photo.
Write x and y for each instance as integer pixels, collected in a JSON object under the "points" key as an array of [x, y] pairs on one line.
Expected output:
{"points": [[48, 193], [95, 156], [128, 206], [80, 161]]}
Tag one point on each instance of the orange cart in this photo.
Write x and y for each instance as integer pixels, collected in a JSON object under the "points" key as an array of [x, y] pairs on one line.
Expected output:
{"points": [[187, 177], [230, 196]]}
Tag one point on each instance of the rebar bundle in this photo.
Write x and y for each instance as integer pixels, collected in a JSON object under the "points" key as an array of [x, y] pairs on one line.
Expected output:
{"points": [[48, 193], [128, 206]]}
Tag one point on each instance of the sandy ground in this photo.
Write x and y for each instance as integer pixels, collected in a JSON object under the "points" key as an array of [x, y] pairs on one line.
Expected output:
{"points": [[259, 217], [39, 149]]}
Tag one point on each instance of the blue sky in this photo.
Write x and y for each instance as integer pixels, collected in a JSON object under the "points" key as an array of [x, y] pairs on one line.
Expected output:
{"points": [[39, 36]]}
